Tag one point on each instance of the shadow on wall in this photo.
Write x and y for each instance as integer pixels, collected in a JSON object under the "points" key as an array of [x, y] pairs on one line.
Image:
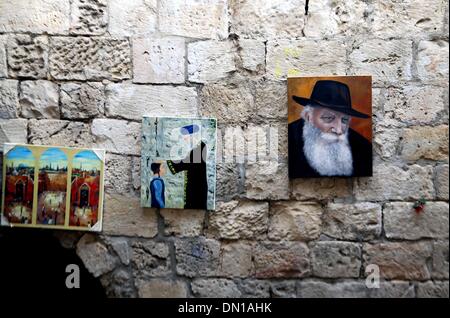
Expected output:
{"points": [[34, 261]]}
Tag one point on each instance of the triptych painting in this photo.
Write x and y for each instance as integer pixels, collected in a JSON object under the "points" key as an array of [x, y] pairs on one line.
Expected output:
{"points": [[52, 187]]}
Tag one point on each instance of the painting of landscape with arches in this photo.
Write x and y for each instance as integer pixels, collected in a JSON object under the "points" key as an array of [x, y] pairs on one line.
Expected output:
{"points": [[52, 187]]}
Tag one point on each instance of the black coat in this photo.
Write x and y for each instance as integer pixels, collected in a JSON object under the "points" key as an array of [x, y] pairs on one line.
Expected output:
{"points": [[300, 168]]}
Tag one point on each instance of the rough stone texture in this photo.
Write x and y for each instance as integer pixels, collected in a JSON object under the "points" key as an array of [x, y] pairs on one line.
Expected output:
{"points": [[121, 248], [402, 222], [13, 131], [82, 101], [425, 143], [267, 19], [150, 259], [355, 222], [119, 284], [9, 101], [267, 180], [432, 60], [27, 56], [440, 261], [38, 16], [251, 288], [117, 136], [134, 101], [124, 216], [253, 55], [404, 261], [197, 257], [136, 18], [117, 174], [239, 220], [215, 288], [39, 99], [433, 290], [159, 60], [207, 19], [441, 182], [336, 259], [3, 64], [393, 183], [281, 259], [95, 256], [236, 260], [86, 58], [88, 17], [161, 288], [295, 221], [53, 132], [287, 58], [320, 189], [271, 100], [229, 180], [386, 61], [210, 61], [187, 223]]}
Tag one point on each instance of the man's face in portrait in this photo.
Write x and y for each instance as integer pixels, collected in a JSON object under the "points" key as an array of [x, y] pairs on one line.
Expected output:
{"points": [[329, 121]]}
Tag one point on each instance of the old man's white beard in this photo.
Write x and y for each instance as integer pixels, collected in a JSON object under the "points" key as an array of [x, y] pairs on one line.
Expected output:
{"points": [[328, 154]]}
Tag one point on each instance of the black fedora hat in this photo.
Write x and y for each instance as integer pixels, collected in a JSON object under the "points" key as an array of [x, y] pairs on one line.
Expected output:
{"points": [[333, 95]]}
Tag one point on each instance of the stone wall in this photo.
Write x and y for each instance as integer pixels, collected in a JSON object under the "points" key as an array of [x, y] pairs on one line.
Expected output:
{"points": [[83, 72]]}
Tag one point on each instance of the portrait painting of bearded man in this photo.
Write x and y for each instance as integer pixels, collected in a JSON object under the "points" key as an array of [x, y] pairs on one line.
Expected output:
{"points": [[330, 126]]}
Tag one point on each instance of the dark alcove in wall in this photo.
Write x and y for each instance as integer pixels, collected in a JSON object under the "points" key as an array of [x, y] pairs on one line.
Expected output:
{"points": [[33, 261]]}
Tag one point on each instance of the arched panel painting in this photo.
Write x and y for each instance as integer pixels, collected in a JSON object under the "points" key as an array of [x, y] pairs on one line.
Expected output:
{"points": [[52, 187], [85, 189], [19, 185]]}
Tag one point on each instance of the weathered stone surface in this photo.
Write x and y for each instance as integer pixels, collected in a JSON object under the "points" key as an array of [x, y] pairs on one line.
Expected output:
{"points": [[119, 284], [118, 174], [159, 60], [236, 259], [267, 180], [68, 239], [328, 18], [387, 61], [53, 132], [433, 290], [283, 259], [90, 58], [134, 101], [425, 143], [267, 19], [124, 216], [335, 259], [188, 223], [240, 220], [228, 103], [210, 61], [287, 58], [405, 261], [13, 131], [9, 99], [386, 141], [252, 288], [88, 17], [253, 54], [441, 182], [402, 222], [136, 173], [37, 16], [432, 60], [39, 99], [320, 189], [394, 183], [27, 56], [194, 18], [271, 100], [95, 256], [150, 259], [117, 136], [3, 64], [121, 248], [229, 180], [82, 101], [283, 289], [440, 260], [396, 19], [135, 18], [354, 289], [162, 288], [215, 288], [355, 222], [295, 221], [197, 257]]}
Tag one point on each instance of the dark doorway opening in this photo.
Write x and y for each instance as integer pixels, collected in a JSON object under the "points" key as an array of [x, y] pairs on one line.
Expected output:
{"points": [[84, 196], [19, 191], [33, 264]]}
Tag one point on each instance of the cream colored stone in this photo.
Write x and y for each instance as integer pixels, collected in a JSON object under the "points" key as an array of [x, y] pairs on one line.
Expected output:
{"points": [[187, 223], [133, 17], [425, 143]]}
